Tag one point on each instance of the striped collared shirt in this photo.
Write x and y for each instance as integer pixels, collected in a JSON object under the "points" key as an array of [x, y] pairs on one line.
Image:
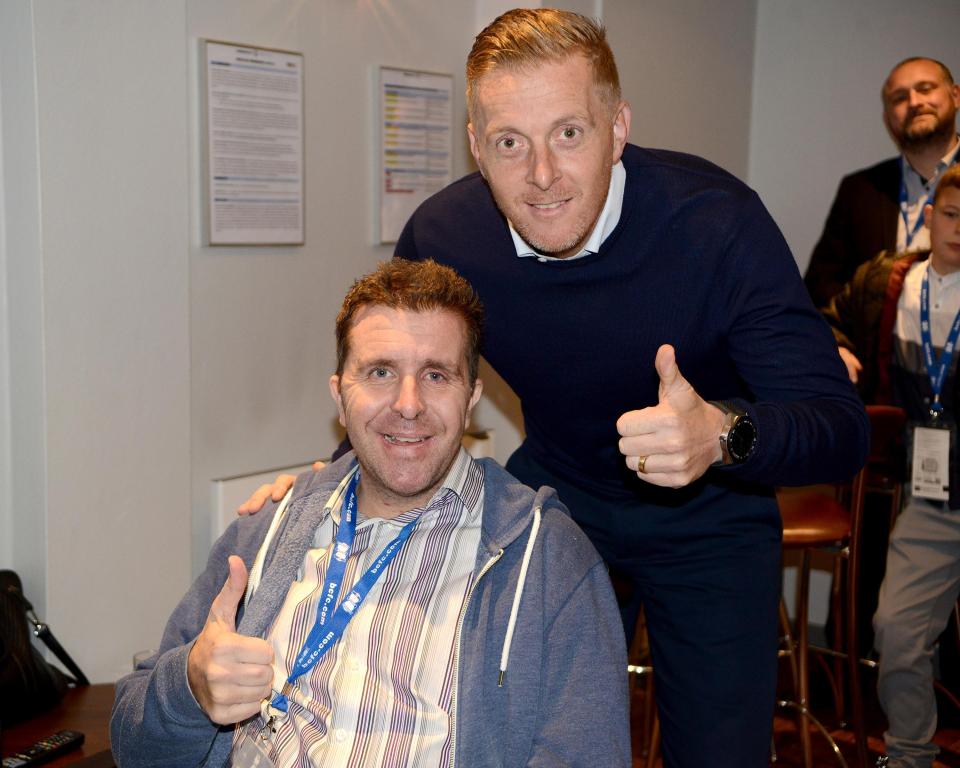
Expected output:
{"points": [[383, 694]]}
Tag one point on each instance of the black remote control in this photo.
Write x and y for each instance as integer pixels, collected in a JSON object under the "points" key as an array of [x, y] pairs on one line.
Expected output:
{"points": [[45, 750]]}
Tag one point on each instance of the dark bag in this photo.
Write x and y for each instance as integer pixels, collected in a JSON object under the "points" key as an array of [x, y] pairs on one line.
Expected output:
{"points": [[28, 684]]}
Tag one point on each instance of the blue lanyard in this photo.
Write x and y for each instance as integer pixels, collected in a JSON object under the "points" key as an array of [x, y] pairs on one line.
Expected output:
{"points": [[936, 370], [330, 624], [904, 213]]}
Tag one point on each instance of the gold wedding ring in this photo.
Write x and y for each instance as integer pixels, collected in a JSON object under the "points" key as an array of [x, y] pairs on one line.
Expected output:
{"points": [[641, 464]]}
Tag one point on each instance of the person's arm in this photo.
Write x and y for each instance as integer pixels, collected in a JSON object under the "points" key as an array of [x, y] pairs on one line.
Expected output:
{"points": [[811, 425], [585, 704], [845, 309], [831, 264], [843, 313], [156, 719]]}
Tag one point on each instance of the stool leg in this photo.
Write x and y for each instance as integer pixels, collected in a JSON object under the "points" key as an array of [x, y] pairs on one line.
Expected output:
{"points": [[654, 752], [791, 652], [650, 719], [803, 643], [791, 649], [853, 665], [837, 596]]}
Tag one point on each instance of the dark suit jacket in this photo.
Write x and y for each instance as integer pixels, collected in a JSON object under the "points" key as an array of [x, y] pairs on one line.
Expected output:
{"points": [[862, 222]]}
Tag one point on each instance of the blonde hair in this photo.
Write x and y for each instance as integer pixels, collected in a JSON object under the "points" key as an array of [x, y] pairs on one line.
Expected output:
{"points": [[526, 37]]}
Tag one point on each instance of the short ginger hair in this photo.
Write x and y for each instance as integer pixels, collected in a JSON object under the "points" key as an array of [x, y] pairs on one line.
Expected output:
{"points": [[418, 286]]}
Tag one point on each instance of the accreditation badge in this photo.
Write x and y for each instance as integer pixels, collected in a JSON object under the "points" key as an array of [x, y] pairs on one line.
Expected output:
{"points": [[931, 463], [251, 752]]}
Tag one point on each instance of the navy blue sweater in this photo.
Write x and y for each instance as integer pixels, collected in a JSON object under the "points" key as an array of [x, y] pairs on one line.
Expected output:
{"points": [[696, 262]]}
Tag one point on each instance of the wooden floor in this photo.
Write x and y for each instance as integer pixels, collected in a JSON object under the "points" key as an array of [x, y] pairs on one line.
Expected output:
{"points": [[788, 747]]}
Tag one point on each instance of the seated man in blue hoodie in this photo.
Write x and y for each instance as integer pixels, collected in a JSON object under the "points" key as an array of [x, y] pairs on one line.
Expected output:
{"points": [[406, 605]]}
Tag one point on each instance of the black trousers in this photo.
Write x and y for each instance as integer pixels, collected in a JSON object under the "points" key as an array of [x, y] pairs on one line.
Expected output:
{"points": [[711, 612]]}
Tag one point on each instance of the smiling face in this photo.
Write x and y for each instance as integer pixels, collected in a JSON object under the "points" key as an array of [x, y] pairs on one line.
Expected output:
{"points": [[920, 104], [943, 220], [405, 399], [546, 140]]}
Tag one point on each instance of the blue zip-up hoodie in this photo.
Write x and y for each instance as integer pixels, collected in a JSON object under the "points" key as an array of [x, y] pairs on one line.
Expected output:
{"points": [[563, 701]]}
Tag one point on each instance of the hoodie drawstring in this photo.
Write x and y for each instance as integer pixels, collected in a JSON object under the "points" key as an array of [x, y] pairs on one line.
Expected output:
{"points": [[508, 639], [256, 570]]}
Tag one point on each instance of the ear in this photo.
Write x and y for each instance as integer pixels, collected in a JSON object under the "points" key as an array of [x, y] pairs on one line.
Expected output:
{"points": [[338, 399], [621, 129], [927, 215], [474, 399], [474, 145], [955, 95]]}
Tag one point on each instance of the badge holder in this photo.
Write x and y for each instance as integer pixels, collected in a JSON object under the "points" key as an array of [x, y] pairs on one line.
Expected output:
{"points": [[930, 478], [251, 753]]}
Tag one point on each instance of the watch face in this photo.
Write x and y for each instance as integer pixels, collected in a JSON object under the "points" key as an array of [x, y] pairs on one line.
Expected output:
{"points": [[741, 439]]}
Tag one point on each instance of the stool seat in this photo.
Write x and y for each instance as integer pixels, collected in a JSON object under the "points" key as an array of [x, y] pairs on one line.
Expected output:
{"points": [[815, 518], [812, 519]]}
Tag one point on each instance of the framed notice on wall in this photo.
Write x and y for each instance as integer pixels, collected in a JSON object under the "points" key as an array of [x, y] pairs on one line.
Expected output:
{"points": [[254, 145], [416, 160]]}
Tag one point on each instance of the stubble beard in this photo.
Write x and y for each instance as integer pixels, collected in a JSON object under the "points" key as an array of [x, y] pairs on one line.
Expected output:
{"points": [[391, 482], [581, 227], [578, 235], [923, 137]]}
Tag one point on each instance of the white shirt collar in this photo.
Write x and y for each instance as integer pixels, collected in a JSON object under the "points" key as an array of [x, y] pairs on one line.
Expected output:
{"points": [[464, 478], [606, 222], [944, 281], [917, 189]]}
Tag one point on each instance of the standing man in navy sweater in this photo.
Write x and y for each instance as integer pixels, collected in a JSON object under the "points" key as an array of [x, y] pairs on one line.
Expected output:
{"points": [[626, 289]]}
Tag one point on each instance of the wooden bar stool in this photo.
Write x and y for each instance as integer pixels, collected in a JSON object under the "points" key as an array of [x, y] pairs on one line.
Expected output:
{"points": [[811, 520], [814, 519]]}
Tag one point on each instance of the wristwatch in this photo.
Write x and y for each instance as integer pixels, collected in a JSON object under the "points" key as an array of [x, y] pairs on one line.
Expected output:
{"points": [[738, 437]]}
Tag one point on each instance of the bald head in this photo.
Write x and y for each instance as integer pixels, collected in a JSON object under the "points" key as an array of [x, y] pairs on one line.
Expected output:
{"points": [[944, 70]]}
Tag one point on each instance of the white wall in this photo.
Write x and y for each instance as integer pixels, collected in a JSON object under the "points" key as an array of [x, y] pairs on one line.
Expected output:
{"points": [[99, 351], [686, 68], [19, 294], [816, 113]]}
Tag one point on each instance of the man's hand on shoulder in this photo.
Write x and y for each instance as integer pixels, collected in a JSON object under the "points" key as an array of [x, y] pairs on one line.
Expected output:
{"points": [[229, 674], [274, 491], [674, 442]]}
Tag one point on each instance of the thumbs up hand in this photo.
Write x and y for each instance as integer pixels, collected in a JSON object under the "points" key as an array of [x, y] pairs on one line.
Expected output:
{"points": [[229, 674], [674, 442]]}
